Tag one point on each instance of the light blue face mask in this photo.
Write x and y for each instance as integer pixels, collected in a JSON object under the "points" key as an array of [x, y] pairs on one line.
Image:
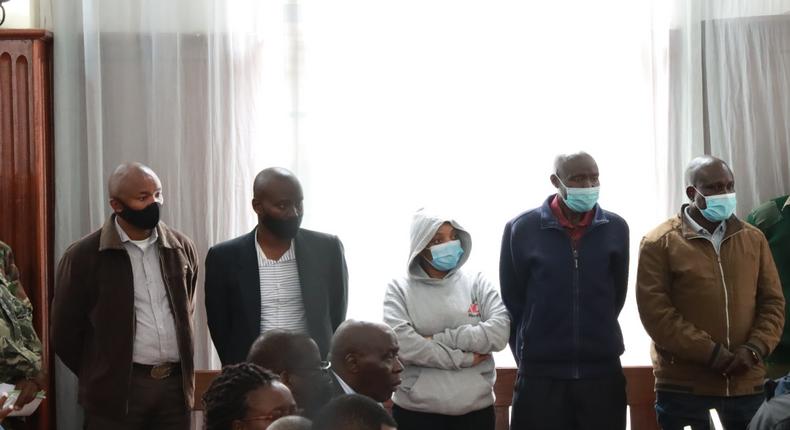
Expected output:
{"points": [[718, 207], [446, 255], [580, 199]]}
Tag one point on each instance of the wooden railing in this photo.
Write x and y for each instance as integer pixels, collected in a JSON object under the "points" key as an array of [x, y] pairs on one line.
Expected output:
{"points": [[639, 392]]}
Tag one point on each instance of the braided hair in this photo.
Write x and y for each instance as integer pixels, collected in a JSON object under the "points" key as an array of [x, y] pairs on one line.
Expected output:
{"points": [[226, 398]]}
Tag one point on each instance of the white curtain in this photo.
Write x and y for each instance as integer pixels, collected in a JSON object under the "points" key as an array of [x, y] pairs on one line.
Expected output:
{"points": [[730, 86], [200, 90], [465, 104], [383, 107]]}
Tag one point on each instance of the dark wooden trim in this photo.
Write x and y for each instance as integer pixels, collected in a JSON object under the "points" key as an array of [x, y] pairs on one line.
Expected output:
{"points": [[27, 180], [25, 34]]}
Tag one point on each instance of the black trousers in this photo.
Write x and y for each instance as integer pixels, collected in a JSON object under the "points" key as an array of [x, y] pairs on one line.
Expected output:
{"points": [[569, 404], [483, 419]]}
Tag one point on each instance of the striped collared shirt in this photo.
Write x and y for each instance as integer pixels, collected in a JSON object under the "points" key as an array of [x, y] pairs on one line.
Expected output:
{"points": [[281, 293]]}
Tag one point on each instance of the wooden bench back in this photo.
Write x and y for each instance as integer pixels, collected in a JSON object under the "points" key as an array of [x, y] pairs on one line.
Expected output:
{"points": [[639, 388]]}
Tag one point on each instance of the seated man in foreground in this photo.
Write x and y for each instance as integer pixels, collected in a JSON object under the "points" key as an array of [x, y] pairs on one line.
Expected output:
{"points": [[295, 358], [364, 357]]}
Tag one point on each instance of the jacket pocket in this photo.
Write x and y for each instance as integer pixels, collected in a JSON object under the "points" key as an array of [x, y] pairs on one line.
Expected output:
{"points": [[525, 328]]}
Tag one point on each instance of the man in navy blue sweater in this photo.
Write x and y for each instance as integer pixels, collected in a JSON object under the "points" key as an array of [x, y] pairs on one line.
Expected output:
{"points": [[564, 273]]}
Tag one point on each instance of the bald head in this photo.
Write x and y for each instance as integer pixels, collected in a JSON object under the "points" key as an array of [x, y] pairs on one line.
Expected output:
{"points": [[283, 350], [292, 422], [700, 168], [578, 170], [277, 200], [353, 336], [135, 197], [566, 165], [271, 179], [127, 178], [708, 176], [365, 355]]}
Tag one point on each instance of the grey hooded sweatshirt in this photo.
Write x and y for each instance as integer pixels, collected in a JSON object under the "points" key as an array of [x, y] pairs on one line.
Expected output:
{"points": [[464, 314]]}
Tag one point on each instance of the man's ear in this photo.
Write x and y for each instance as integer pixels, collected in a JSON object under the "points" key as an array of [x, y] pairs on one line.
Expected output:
{"points": [[285, 378], [257, 206], [352, 362], [116, 204], [691, 192], [236, 425], [555, 181]]}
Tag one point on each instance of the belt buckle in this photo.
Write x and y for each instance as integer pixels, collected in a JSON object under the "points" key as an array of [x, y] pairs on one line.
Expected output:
{"points": [[161, 371]]}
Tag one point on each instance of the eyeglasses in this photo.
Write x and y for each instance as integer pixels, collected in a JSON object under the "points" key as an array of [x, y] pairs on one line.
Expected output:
{"points": [[275, 414], [322, 367]]}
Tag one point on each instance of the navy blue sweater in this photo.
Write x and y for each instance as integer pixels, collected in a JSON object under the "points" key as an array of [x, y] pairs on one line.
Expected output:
{"points": [[564, 302]]}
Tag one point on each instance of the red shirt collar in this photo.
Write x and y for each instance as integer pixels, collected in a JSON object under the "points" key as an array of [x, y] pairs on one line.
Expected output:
{"points": [[555, 208]]}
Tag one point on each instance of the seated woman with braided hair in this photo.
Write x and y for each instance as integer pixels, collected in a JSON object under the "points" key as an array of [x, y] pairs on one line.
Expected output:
{"points": [[246, 396]]}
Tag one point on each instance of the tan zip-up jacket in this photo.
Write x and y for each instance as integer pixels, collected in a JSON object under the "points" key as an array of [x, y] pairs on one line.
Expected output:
{"points": [[694, 302]]}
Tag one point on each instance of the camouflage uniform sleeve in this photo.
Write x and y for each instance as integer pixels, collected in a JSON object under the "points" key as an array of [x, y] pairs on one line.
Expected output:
{"points": [[20, 347], [9, 271]]}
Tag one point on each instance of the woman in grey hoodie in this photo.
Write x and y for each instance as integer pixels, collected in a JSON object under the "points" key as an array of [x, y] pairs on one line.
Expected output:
{"points": [[448, 323]]}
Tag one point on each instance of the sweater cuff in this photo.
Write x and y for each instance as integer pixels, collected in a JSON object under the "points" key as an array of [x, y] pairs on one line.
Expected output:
{"points": [[469, 359], [716, 356], [755, 349]]}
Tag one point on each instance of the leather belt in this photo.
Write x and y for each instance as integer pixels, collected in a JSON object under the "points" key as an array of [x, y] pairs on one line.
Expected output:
{"points": [[159, 371]]}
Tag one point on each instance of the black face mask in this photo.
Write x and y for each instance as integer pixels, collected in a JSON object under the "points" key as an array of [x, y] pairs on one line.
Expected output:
{"points": [[146, 218], [282, 228]]}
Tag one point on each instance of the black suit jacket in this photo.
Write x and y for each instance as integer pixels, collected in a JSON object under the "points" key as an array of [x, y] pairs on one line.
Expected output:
{"points": [[233, 295]]}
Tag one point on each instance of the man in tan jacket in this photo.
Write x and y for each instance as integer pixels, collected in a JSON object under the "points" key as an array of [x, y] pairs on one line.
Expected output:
{"points": [[709, 296]]}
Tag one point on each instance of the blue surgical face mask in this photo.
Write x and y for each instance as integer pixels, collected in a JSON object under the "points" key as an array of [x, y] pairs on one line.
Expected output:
{"points": [[580, 199], [446, 255], [718, 207]]}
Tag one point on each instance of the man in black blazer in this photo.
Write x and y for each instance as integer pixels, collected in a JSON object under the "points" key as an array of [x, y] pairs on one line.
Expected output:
{"points": [[279, 276]]}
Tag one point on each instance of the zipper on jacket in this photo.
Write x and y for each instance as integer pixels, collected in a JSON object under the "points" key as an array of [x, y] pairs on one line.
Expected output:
{"points": [[726, 297], [577, 322], [726, 310], [726, 294], [170, 300], [134, 334]]}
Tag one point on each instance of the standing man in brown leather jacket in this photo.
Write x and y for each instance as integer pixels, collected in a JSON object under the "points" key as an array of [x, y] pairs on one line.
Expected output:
{"points": [[122, 312], [709, 295]]}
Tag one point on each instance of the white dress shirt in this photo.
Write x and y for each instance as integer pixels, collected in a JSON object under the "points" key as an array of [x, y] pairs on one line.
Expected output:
{"points": [[155, 328], [343, 385]]}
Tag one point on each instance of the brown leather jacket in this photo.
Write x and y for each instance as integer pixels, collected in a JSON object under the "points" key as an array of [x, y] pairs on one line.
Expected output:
{"points": [[93, 320], [694, 303]]}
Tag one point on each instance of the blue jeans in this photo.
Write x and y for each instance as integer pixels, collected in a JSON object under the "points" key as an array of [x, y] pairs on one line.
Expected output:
{"points": [[676, 410]]}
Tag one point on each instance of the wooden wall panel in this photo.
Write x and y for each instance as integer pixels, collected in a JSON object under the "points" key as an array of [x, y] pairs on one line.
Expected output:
{"points": [[26, 176]]}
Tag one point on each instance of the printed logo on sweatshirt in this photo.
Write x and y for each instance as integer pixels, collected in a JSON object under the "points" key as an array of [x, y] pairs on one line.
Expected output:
{"points": [[474, 310]]}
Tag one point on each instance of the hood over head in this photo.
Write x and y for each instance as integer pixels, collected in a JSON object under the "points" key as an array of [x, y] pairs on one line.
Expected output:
{"points": [[423, 227]]}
